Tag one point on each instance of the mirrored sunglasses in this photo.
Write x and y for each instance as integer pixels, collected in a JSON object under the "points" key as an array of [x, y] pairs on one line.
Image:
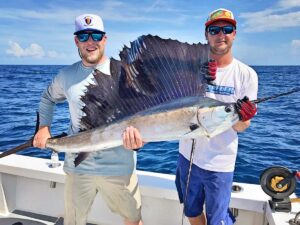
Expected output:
{"points": [[214, 30], [83, 37]]}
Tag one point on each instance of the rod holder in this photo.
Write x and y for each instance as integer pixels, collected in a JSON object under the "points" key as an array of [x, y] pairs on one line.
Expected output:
{"points": [[52, 184]]}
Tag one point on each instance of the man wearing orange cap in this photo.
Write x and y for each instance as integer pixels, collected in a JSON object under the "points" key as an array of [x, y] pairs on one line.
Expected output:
{"points": [[205, 165]]}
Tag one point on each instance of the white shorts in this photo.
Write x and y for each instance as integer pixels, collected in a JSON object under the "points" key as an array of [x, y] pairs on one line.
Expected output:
{"points": [[121, 194]]}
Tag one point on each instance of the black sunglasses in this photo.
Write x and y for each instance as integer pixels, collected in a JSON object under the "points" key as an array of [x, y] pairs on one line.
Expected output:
{"points": [[214, 30], [83, 37]]}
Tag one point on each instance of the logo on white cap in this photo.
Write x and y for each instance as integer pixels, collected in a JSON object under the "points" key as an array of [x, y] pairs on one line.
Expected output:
{"points": [[88, 20]]}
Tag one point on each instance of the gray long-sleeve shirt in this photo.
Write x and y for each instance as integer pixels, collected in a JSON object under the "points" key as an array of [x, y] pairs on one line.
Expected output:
{"points": [[70, 84]]}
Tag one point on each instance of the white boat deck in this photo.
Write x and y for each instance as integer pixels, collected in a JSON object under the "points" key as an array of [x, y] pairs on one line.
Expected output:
{"points": [[27, 186]]}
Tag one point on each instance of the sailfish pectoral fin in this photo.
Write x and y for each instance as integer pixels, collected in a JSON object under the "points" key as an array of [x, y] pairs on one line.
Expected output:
{"points": [[80, 157]]}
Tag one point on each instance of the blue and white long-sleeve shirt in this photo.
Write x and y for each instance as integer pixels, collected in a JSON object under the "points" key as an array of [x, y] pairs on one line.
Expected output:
{"points": [[70, 84]]}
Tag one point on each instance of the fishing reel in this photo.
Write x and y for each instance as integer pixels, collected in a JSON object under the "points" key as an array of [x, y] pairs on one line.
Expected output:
{"points": [[279, 183]]}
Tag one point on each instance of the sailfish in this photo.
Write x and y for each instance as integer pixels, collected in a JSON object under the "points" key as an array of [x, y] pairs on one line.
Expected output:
{"points": [[157, 86]]}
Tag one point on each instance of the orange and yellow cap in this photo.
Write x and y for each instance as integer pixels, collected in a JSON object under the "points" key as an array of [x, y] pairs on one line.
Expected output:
{"points": [[220, 14]]}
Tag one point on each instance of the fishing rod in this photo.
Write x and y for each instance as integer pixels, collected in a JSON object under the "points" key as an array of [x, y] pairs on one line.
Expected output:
{"points": [[284, 181], [259, 100], [29, 143]]}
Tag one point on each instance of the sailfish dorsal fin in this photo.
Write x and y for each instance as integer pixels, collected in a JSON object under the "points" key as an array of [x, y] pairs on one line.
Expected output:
{"points": [[153, 71]]}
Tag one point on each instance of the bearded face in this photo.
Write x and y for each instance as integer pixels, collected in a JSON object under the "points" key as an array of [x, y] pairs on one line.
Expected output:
{"points": [[91, 52]]}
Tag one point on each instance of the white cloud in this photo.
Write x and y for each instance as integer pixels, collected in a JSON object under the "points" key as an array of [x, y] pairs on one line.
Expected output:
{"points": [[289, 3], [269, 20], [295, 45], [120, 11], [34, 50], [56, 55], [52, 54], [285, 14]]}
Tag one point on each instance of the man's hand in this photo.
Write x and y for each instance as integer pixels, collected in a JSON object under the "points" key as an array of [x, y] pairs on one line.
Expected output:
{"points": [[41, 137], [211, 70], [132, 138], [245, 109]]}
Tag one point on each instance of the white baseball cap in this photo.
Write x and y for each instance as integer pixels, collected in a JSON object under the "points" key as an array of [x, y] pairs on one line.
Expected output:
{"points": [[88, 22]]}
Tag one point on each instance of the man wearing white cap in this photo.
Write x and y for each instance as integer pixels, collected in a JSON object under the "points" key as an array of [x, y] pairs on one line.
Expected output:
{"points": [[205, 165], [111, 173]]}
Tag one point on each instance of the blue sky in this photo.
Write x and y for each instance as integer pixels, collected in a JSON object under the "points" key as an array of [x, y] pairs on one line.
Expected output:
{"points": [[41, 32]]}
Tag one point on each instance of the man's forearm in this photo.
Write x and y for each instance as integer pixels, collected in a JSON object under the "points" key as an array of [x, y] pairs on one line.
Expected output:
{"points": [[241, 126]]}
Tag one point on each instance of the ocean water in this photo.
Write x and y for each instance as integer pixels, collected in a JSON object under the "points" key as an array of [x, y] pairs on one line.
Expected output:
{"points": [[272, 139]]}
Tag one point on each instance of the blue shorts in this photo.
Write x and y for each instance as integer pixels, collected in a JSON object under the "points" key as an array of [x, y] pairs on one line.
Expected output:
{"points": [[213, 188]]}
